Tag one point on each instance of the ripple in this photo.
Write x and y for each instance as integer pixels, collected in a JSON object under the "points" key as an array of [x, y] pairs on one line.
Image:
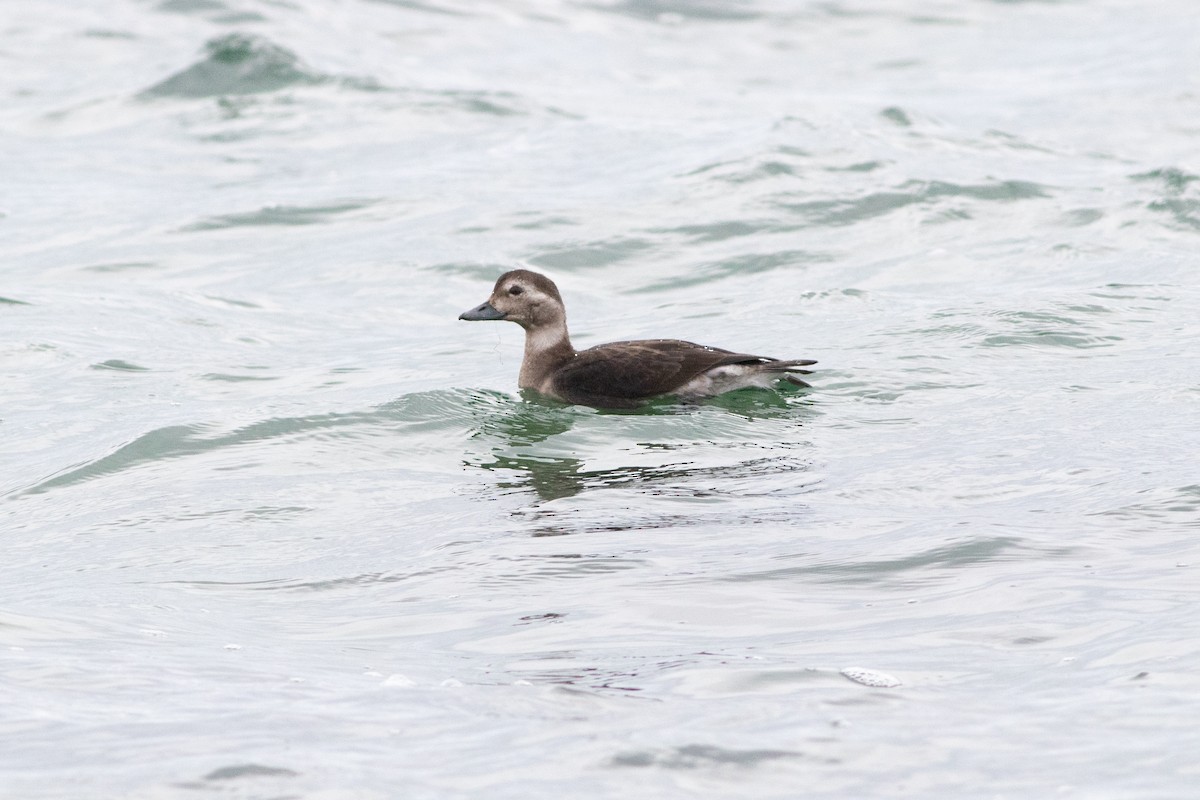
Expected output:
{"points": [[698, 756], [439, 409], [236, 64], [1061, 325], [747, 264], [897, 115], [249, 771], [837, 213], [279, 215], [312, 584], [1183, 210], [678, 10], [591, 254], [223, 377], [725, 229], [969, 552], [1172, 178], [1042, 329], [496, 104], [418, 6], [1179, 506], [121, 266], [487, 271], [117, 365], [557, 566]]}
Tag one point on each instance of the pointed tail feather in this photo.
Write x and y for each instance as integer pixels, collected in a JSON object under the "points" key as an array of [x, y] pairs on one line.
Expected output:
{"points": [[790, 366], [791, 369]]}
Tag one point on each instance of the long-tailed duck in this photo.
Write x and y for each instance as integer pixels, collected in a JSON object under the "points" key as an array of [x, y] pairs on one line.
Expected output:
{"points": [[620, 374]]}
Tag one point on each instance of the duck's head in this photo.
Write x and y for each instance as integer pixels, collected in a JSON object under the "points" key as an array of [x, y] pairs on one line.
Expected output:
{"points": [[527, 298]]}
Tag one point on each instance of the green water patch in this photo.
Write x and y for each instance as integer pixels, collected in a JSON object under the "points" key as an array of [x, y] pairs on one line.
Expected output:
{"points": [[496, 104], [212, 10], [1152, 292], [279, 215], [1070, 325], [542, 222], [762, 171], [555, 567], [724, 229], [1177, 184], [556, 451], [591, 254], [861, 166], [481, 270], [1047, 329], [783, 162], [222, 377], [1049, 339], [102, 33], [1173, 179], [232, 302], [414, 5], [665, 10], [897, 116], [554, 477], [877, 204], [747, 264], [249, 771], [1080, 217], [120, 266], [693, 757], [909, 570], [191, 6], [1184, 211], [237, 64], [302, 585], [9, 301], [488, 103], [117, 365], [1165, 506], [437, 410]]}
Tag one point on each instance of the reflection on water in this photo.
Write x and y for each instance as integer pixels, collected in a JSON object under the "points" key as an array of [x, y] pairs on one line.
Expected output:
{"points": [[694, 455], [240, 501]]}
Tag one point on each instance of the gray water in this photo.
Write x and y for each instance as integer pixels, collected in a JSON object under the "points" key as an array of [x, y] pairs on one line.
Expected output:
{"points": [[275, 524]]}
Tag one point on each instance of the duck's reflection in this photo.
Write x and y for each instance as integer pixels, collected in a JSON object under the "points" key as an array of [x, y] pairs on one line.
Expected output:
{"points": [[514, 431], [549, 478], [522, 449]]}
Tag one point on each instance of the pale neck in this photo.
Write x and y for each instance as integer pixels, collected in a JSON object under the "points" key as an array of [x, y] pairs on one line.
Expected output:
{"points": [[546, 348]]}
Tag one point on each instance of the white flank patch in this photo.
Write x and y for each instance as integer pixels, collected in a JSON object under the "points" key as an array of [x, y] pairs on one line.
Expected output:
{"points": [[727, 378]]}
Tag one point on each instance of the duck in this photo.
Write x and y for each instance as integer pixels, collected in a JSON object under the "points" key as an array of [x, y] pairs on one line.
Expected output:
{"points": [[625, 374]]}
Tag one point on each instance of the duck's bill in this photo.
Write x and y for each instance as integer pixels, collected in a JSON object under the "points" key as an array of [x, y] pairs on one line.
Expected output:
{"points": [[485, 311]]}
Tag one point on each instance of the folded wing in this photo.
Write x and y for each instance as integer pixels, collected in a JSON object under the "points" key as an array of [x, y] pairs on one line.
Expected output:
{"points": [[623, 374]]}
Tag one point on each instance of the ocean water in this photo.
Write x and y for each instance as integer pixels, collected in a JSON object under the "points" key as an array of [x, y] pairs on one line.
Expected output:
{"points": [[275, 524]]}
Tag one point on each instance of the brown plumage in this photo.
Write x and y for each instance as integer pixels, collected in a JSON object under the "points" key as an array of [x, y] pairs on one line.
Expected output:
{"points": [[619, 374]]}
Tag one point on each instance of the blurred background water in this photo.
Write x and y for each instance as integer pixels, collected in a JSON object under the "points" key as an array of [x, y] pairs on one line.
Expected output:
{"points": [[275, 524]]}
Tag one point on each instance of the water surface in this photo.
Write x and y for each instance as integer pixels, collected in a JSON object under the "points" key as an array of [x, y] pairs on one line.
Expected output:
{"points": [[275, 524]]}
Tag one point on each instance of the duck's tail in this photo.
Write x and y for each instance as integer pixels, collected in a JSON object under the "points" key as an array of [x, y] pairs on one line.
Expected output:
{"points": [[789, 370]]}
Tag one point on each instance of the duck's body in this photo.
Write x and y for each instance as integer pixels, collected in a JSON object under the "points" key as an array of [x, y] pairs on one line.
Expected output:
{"points": [[620, 374]]}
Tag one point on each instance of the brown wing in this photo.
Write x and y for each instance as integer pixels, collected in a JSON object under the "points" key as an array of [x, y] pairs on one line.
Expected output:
{"points": [[622, 374]]}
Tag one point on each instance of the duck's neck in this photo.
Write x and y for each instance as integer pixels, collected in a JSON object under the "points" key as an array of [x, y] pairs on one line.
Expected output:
{"points": [[546, 348]]}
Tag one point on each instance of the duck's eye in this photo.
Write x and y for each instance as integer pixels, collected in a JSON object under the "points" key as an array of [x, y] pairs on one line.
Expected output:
{"points": [[515, 290]]}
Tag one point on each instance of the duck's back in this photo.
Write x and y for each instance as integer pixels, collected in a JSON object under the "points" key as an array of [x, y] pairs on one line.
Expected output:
{"points": [[626, 374]]}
